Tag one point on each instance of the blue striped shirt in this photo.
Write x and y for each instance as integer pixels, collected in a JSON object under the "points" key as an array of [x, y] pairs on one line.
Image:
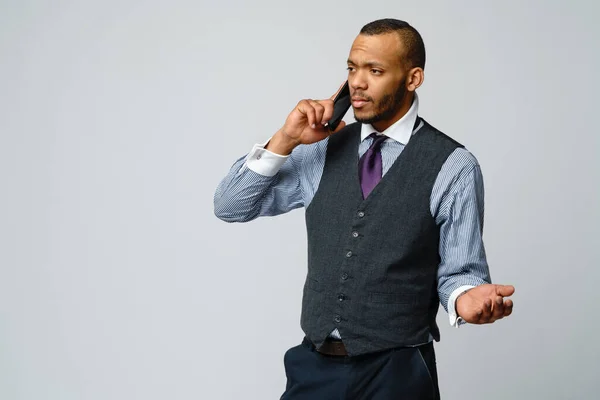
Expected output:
{"points": [[263, 183]]}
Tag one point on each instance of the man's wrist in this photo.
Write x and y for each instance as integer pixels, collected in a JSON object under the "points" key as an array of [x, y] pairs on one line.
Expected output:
{"points": [[281, 144], [455, 319], [264, 162]]}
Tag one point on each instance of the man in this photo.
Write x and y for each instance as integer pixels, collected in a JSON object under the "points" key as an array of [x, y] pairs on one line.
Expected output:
{"points": [[394, 215]]}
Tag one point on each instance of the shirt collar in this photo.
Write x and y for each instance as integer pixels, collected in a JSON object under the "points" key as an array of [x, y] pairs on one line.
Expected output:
{"points": [[401, 130]]}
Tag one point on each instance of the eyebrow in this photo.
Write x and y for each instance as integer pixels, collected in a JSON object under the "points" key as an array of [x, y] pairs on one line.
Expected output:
{"points": [[368, 63]]}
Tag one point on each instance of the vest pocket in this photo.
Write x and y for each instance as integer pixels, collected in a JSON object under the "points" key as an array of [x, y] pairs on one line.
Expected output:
{"points": [[392, 298], [314, 285], [312, 300]]}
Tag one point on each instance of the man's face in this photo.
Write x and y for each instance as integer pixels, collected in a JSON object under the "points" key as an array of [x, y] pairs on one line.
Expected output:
{"points": [[376, 77]]}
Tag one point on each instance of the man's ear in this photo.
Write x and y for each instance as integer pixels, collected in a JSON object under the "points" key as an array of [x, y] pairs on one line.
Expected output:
{"points": [[414, 78]]}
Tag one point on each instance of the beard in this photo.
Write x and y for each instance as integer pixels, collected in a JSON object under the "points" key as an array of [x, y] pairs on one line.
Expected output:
{"points": [[385, 108]]}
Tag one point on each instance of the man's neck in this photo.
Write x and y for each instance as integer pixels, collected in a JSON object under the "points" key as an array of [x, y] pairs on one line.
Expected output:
{"points": [[404, 107], [402, 129]]}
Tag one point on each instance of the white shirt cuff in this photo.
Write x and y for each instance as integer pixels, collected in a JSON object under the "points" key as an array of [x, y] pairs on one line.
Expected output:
{"points": [[264, 162], [455, 320]]}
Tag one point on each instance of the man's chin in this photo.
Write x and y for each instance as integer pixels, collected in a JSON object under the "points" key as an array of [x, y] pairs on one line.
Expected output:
{"points": [[365, 118]]}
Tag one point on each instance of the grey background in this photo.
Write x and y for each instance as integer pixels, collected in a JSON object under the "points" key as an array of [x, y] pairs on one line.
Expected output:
{"points": [[118, 119]]}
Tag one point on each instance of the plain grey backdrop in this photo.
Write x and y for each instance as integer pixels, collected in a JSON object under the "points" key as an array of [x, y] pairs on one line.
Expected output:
{"points": [[119, 118]]}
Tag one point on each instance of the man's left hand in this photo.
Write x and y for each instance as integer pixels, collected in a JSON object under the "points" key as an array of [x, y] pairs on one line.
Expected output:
{"points": [[485, 304]]}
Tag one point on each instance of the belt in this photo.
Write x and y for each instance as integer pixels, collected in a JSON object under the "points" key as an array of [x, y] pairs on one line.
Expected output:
{"points": [[331, 347]]}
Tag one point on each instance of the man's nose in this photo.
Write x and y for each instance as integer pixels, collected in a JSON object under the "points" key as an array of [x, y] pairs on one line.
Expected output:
{"points": [[358, 82]]}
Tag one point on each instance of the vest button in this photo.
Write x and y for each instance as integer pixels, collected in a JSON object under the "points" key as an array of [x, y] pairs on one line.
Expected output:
{"points": [[337, 319], [349, 254], [355, 234], [345, 276], [361, 214], [341, 297]]}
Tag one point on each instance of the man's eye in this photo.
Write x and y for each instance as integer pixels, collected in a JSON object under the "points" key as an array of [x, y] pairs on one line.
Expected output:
{"points": [[376, 71], [350, 69]]}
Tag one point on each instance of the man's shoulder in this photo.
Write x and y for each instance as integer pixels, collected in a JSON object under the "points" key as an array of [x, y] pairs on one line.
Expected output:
{"points": [[461, 158], [440, 135]]}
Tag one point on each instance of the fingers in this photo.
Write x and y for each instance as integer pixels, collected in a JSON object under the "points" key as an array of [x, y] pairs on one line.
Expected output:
{"points": [[486, 311], [508, 307], [505, 290], [327, 109], [308, 110], [485, 306], [494, 310], [498, 309], [317, 112], [502, 308], [483, 313]]}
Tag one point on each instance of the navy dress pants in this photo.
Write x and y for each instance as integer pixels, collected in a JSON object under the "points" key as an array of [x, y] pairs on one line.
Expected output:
{"points": [[406, 373]]}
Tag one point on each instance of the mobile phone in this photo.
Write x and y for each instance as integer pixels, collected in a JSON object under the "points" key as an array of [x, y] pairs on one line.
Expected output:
{"points": [[341, 104]]}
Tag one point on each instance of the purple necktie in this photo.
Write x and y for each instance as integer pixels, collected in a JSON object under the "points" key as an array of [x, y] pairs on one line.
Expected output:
{"points": [[370, 165]]}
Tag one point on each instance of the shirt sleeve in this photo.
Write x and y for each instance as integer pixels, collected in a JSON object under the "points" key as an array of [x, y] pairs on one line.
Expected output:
{"points": [[455, 320], [261, 183], [463, 262]]}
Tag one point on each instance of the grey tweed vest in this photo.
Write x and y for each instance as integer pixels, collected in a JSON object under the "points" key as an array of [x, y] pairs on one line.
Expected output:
{"points": [[372, 263]]}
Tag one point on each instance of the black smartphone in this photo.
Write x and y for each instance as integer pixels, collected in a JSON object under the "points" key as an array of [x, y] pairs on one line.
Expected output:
{"points": [[341, 104]]}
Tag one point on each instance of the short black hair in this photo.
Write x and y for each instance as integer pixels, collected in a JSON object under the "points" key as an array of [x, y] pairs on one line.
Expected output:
{"points": [[415, 48]]}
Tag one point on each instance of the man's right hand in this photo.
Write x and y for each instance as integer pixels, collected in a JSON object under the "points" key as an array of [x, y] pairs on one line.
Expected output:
{"points": [[304, 125]]}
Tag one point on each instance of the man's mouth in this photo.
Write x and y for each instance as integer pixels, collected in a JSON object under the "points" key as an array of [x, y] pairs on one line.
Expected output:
{"points": [[358, 102]]}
